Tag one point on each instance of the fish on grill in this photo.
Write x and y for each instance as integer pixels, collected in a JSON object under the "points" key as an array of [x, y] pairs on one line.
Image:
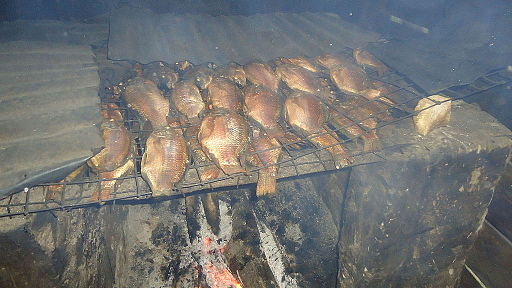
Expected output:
{"points": [[330, 61], [224, 136], [143, 96], [265, 151], [187, 99], [376, 110], [306, 114], [117, 147], [109, 183], [233, 72], [301, 79], [161, 73], [262, 74], [224, 94], [300, 61], [354, 123], [366, 59], [202, 75], [355, 81], [264, 107], [165, 160]]}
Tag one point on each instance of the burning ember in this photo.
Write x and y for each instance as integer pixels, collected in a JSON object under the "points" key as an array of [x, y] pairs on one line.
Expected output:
{"points": [[216, 272]]}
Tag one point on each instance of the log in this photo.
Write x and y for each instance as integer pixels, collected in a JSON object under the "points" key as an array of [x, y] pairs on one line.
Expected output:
{"points": [[433, 112]]}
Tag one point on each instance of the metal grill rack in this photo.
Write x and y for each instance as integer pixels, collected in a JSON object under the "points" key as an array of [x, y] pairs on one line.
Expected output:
{"points": [[299, 158]]}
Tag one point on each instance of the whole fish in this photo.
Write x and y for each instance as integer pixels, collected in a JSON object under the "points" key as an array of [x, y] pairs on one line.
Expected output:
{"points": [[376, 110], [301, 79], [266, 152], [264, 107], [306, 114], [365, 58], [161, 73], [165, 160], [353, 126], [224, 136], [116, 149], [233, 72], [330, 61], [202, 75], [187, 99], [224, 94], [355, 81], [262, 74], [109, 184], [143, 96], [300, 61]]}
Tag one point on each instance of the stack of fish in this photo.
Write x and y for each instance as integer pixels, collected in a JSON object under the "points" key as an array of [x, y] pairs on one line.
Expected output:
{"points": [[230, 116]]}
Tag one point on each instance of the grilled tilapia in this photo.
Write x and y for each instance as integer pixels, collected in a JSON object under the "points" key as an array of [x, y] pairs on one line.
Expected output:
{"points": [[233, 72], [110, 111], [353, 126], [266, 152], [262, 74], [224, 136], [300, 61], [301, 79], [117, 147], [143, 96], [187, 99], [165, 160], [354, 80], [306, 114], [224, 94], [160, 73], [365, 58], [107, 187], [202, 75], [330, 61], [264, 107]]}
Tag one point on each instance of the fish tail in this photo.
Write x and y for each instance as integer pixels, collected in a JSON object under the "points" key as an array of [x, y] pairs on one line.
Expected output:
{"points": [[233, 169], [266, 182], [340, 156]]}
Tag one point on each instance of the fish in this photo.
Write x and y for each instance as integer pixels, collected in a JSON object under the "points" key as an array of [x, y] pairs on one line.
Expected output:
{"points": [[376, 110], [187, 99], [194, 145], [224, 94], [266, 153], [366, 59], [161, 73], [116, 148], [202, 75], [305, 113], [330, 61], [108, 187], [143, 96], [233, 72], [301, 79], [224, 136], [110, 111], [353, 126], [262, 74], [355, 81], [300, 61], [165, 160], [264, 107]]}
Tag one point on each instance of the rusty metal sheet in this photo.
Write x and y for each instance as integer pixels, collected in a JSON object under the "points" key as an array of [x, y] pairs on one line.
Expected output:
{"points": [[48, 111], [144, 36]]}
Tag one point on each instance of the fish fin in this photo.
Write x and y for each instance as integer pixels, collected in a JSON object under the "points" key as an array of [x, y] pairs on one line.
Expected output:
{"points": [[266, 183]]}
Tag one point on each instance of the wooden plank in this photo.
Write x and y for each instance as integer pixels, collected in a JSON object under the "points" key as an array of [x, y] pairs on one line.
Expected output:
{"points": [[491, 257]]}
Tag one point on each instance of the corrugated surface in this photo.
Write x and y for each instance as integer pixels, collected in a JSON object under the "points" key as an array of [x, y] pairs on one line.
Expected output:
{"points": [[142, 35], [48, 108]]}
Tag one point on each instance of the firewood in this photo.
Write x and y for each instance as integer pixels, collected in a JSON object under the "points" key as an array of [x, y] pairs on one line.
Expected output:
{"points": [[434, 112]]}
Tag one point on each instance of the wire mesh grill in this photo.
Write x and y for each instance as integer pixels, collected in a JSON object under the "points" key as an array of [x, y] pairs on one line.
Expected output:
{"points": [[299, 157]]}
